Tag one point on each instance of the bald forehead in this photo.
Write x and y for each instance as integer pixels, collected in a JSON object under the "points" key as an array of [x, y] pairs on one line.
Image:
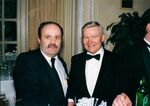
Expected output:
{"points": [[52, 27]]}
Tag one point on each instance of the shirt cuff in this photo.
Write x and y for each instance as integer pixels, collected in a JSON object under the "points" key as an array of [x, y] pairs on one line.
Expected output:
{"points": [[70, 100]]}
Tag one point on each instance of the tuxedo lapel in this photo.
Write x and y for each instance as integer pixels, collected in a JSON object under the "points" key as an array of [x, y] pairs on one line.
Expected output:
{"points": [[105, 78], [83, 76], [101, 75], [100, 78]]}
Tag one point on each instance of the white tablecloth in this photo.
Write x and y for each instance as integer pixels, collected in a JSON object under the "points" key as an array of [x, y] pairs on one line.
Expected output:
{"points": [[7, 88]]}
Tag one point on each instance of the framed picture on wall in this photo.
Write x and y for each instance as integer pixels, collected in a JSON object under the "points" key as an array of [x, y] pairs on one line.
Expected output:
{"points": [[126, 3]]}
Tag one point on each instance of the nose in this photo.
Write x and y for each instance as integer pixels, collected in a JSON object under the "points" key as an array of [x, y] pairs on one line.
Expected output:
{"points": [[53, 40], [89, 40]]}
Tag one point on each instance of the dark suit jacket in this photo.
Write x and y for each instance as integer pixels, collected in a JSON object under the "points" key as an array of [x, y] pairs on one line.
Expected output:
{"points": [[35, 82], [104, 86], [145, 56], [133, 66]]}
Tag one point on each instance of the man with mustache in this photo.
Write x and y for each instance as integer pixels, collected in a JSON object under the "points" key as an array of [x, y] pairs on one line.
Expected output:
{"points": [[40, 76]]}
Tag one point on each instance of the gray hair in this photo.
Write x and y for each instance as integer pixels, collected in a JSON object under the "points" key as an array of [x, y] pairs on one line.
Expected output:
{"points": [[92, 24]]}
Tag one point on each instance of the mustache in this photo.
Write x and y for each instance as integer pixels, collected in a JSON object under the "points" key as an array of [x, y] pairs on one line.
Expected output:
{"points": [[52, 45]]}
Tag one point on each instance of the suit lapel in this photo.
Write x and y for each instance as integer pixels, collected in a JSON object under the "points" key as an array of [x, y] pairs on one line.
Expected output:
{"points": [[146, 56]]}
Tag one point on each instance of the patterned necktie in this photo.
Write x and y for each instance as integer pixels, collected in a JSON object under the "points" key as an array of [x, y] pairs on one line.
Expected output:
{"points": [[88, 57]]}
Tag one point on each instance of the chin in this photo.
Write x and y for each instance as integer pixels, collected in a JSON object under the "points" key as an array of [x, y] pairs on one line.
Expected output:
{"points": [[92, 52], [52, 52]]}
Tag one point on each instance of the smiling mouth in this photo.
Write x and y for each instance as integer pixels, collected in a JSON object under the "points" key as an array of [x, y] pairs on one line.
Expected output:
{"points": [[91, 46]]}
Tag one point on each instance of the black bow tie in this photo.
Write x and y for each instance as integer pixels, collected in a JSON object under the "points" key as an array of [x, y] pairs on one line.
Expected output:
{"points": [[88, 57]]}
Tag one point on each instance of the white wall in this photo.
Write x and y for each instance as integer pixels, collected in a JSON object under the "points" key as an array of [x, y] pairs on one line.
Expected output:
{"points": [[111, 9]]}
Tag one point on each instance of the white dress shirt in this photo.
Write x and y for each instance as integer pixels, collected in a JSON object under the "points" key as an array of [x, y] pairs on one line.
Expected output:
{"points": [[147, 43], [60, 70], [92, 70]]}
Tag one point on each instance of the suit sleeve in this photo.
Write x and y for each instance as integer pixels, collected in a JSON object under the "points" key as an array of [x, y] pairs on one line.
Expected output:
{"points": [[71, 83], [26, 80]]}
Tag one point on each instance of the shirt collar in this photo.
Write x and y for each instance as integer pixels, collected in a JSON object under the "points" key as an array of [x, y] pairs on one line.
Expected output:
{"points": [[47, 57], [146, 41]]}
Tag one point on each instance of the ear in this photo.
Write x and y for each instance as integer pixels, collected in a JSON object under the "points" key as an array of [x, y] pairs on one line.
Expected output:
{"points": [[103, 38], [39, 40]]}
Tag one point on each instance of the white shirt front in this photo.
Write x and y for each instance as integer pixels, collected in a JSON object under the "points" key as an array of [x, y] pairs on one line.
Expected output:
{"points": [[60, 70], [147, 43], [92, 70]]}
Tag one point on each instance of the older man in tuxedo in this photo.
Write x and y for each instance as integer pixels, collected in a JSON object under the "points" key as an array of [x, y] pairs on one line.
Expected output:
{"points": [[40, 76], [92, 71]]}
